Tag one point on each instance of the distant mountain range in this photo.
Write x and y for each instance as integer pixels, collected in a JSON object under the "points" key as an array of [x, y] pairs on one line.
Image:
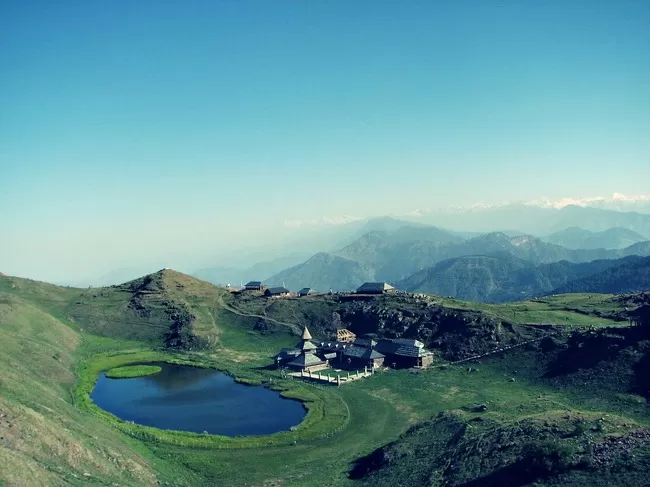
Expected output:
{"points": [[397, 250], [260, 271], [325, 271], [617, 202], [537, 220], [503, 277], [631, 276], [394, 256], [612, 238]]}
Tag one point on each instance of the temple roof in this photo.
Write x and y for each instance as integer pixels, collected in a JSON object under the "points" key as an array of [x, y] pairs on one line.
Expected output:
{"points": [[305, 360], [305, 334], [306, 345]]}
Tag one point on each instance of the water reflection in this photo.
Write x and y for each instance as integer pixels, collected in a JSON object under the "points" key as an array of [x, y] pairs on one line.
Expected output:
{"points": [[178, 377]]}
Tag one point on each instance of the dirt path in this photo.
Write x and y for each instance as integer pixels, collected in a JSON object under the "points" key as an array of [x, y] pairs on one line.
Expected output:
{"points": [[296, 328]]}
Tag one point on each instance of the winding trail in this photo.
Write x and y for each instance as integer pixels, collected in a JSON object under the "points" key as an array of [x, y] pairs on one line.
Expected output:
{"points": [[232, 309], [492, 352]]}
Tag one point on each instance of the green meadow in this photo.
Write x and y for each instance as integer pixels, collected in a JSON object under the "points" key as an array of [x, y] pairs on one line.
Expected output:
{"points": [[56, 341]]}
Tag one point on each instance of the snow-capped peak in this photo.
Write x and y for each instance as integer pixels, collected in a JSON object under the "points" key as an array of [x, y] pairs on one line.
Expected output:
{"points": [[616, 201], [322, 221]]}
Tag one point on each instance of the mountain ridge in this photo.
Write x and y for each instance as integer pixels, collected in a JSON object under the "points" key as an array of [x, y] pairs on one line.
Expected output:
{"points": [[576, 238], [394, 256], [502, 277]]}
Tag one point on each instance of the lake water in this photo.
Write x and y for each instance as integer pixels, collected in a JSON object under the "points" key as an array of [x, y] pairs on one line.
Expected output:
{"points": [[195, 399]]}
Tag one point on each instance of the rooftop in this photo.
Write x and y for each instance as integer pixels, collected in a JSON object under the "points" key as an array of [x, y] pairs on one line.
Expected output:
{"points": [[305, 360], [365, 342], [306, 345], [305, 334], [369, 287], [362, 353], [277, 290], [393, 347], [286, 353]]}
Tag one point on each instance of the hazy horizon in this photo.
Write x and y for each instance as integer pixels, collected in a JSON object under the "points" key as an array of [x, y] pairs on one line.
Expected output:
{"points": [[173, 134]]}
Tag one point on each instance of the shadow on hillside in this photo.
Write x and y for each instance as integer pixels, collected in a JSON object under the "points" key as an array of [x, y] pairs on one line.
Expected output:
{"points": [[522, 472], [619, 352], [585, 351]]}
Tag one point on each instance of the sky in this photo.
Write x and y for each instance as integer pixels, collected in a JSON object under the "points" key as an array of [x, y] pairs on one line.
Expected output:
{"points": [[175, 131]]}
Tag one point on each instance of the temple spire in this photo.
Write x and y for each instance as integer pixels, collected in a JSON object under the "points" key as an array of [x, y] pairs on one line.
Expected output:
{"points": [[305, 334]]}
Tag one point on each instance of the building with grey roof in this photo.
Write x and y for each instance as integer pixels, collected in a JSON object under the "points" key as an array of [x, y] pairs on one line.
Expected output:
{"points": [[402, 352], [364, 342], [306, 359], [275, 292], [362, 357], [254, 286], [375, 288], [306, 291]]}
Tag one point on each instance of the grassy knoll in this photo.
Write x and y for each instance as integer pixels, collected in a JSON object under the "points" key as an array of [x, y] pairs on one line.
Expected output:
{"points": [[54, 348], [132, 371], [565, 309]]}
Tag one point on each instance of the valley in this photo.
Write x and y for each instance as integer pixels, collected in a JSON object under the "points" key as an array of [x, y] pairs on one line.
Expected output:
{"points": [[324, 244], [58, 340]]}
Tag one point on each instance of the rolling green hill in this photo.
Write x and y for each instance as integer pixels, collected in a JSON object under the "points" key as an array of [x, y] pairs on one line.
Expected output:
{"points": [[55, 341]]}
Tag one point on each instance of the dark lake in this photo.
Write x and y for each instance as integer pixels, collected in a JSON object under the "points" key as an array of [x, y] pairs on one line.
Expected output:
{"points": [[194, 399]]}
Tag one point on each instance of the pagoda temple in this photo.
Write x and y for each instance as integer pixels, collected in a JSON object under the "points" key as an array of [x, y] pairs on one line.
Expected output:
{"points": [[306, 359]]}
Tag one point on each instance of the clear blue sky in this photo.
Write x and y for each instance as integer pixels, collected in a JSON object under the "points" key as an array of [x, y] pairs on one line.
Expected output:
{"points": [[136, 128]]}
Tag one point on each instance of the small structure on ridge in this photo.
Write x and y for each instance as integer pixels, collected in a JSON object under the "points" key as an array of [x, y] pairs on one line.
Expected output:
{"points": [[375, 288]]}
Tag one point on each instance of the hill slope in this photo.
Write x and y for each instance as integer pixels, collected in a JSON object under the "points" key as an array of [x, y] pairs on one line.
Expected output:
{"points": [[44, 438], [166, 307], [476, 446], [632, 276]]}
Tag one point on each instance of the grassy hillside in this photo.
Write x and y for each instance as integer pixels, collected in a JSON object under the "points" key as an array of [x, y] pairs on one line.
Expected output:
{"points": [[464, 450], [56, 340], [598, 434], [47, 440], [564, 310]]}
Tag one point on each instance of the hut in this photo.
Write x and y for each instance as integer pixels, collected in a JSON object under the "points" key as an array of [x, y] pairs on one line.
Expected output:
{"points": [[375, 288], [276, 292], [405, 352], [306, 291], [253, 286], [357, 357]]}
